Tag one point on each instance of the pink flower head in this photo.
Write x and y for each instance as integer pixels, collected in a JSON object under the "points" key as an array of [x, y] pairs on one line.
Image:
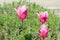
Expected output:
{"points": [[21, 11], [43, 16], [43, 31]]}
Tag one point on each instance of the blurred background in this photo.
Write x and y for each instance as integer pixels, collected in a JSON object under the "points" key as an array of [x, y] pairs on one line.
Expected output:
{"points": [[45, 3], [49, 4]]}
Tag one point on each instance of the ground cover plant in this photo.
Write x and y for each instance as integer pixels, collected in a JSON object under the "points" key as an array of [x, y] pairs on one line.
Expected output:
{"points": [[10, 23]]}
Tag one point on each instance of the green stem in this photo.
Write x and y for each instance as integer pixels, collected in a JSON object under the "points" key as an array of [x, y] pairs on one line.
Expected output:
{"points": [[42, 23], [21, 27], [43, 38], [8, 33], [22, 22]]}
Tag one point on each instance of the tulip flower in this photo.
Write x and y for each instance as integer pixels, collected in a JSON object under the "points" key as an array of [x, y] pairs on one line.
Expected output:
{"points": [[43, 31], [21, 11], [43, 16]]}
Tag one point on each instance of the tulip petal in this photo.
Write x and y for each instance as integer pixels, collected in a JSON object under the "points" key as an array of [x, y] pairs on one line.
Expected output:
{"points": [[41, 14], [23, 8], [16, 10], [19, 9], [46, 13]]}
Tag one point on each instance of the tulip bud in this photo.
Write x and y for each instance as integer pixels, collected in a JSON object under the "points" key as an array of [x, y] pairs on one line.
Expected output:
{"points": [[43, 31]]}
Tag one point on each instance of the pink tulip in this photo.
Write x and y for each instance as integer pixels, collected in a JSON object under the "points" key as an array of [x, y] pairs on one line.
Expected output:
{"points": [[43, 31], [43, 16], [21, 11]]}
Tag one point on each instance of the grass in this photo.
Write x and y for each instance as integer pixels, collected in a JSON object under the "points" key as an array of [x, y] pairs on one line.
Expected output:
{"points": [[9, 23]]}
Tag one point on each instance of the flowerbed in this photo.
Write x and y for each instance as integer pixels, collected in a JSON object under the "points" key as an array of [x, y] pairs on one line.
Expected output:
{"points": [[10, 23]]}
